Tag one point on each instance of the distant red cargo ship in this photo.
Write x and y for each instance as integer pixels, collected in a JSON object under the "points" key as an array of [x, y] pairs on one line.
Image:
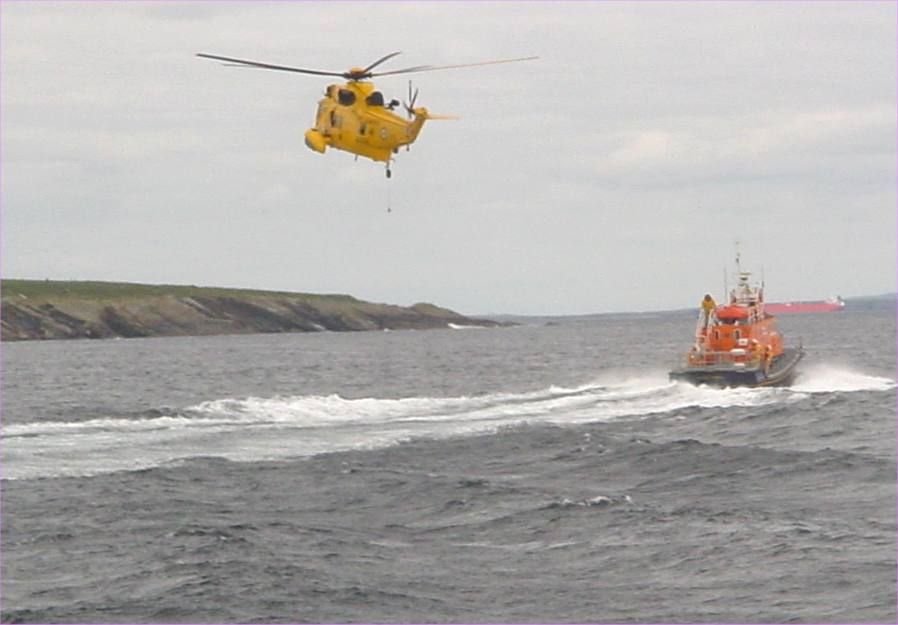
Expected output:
{"points": [[833, 304]]}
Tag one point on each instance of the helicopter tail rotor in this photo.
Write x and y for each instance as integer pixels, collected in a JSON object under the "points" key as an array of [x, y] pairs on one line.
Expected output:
{"points": [[412, 98], [420, 112]]}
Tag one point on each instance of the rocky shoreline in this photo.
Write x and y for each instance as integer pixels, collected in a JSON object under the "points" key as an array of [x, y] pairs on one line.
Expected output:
{"points": [[42, 310]]}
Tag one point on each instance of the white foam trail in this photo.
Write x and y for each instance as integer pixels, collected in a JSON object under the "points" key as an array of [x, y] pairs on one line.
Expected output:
{"points": [[828, 379], [255, 429]]}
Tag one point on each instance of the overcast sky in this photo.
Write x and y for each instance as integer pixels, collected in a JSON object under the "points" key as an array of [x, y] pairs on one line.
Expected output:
{"points": [[613, 174]]}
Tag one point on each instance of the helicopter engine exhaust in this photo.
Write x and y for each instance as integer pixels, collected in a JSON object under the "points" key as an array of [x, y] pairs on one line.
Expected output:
{"points": [[315, 140]]}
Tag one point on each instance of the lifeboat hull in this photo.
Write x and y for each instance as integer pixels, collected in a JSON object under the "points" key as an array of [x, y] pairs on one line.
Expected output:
{"points": [[781, 372]]}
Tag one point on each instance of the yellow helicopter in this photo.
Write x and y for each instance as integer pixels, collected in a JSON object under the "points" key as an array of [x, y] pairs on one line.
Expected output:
{"points": [[355, 117]]}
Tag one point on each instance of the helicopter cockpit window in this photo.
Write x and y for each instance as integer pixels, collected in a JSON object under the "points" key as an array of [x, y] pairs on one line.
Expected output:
{"points": [[375, 99], [346, 97]]}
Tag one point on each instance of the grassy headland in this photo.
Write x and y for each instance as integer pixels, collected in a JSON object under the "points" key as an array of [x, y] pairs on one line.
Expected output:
{"points": [[53, 309]]}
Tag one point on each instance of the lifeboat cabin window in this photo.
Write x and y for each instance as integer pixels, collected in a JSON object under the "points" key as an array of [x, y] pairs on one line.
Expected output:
{"points": [[346, 97], [716, 335], [737, 334], [375, 99]]}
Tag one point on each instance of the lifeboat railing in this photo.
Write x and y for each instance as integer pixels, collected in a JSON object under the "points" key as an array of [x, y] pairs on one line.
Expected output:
{"points": [[705, 358]]}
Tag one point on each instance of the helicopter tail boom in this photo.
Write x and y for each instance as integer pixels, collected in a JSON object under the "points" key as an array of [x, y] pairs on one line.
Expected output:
{"points": [[422, 112], [421, 115]]}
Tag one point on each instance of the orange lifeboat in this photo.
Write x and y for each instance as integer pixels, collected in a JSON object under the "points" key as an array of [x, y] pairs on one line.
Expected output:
{"points": [[738, 344]]}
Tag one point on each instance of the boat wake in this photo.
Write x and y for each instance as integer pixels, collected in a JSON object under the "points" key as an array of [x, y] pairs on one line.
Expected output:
{"points": [[283, 427], [829, 379]]}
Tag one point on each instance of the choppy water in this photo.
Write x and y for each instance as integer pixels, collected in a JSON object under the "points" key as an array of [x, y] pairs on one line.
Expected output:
{"points": [[531, 474]]}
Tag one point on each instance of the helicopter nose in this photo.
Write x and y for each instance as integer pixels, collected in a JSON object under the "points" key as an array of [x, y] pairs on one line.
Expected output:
{"points": [[315, 140]]}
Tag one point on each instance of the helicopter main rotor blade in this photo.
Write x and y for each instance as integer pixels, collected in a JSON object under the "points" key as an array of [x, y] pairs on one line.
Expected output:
{"points": [[430, 68], [379, 61], [406, 70], [283, 68]]}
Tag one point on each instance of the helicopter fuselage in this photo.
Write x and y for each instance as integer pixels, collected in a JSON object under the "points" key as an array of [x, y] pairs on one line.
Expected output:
{"points": [[354, 117]]}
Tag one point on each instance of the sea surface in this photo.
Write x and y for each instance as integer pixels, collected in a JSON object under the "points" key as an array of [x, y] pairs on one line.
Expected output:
{"points": [[540, 473]]}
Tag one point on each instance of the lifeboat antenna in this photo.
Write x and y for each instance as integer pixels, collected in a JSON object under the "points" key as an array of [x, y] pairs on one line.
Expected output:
{"points": [[726, 289]]}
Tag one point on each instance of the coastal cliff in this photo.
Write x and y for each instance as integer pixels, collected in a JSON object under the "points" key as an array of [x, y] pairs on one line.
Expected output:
{"points": [[47, 309]]}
